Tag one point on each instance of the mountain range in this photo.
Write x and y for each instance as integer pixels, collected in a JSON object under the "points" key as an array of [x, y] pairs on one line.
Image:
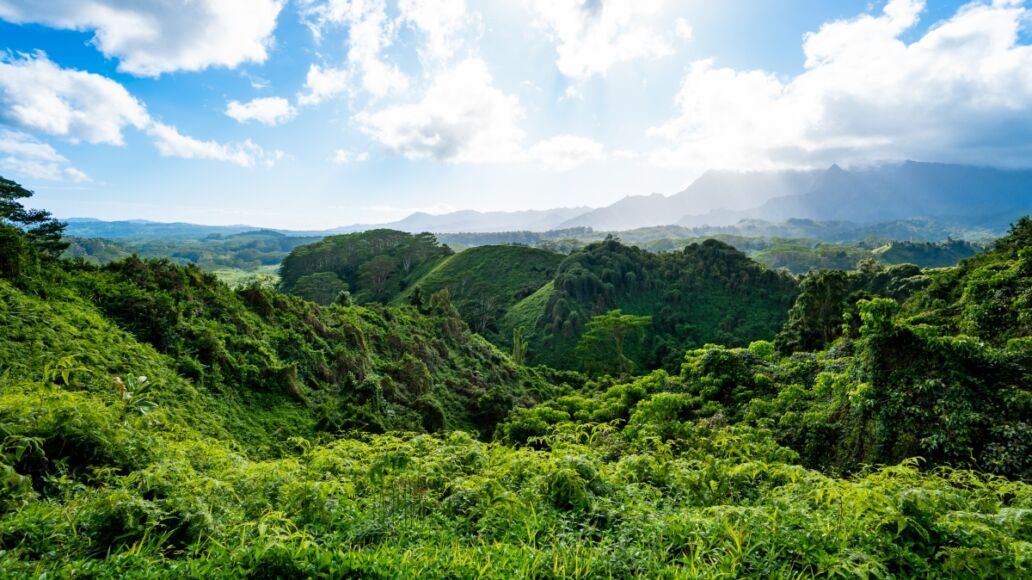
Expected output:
{"points": [[975, 196]]}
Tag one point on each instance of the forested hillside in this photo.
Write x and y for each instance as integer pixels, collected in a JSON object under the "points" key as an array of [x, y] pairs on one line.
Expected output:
{"points": [[372, 266], [708, 292], [156, 423], [483, 283]]}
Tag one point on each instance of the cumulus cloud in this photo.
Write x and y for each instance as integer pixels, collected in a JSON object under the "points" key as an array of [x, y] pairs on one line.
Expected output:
{"points": [[150, 37], [564, 152], [24, 155], [370, 32], [80, 106], [962, 92], [267, 111], [591, 36], [322, 84], [461, 117]]}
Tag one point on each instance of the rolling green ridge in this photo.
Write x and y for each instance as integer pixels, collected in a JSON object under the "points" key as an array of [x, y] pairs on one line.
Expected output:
{"points": [[483, 283], [156, 423], [374, 266], [797, 245]]}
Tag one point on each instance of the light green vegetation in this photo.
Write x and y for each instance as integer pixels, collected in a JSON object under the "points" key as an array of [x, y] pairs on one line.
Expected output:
{"points": [[236, 277], [485, 282]]}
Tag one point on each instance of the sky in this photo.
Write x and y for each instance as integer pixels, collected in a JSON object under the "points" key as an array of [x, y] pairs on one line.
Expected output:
{"points": [[312, 114]]}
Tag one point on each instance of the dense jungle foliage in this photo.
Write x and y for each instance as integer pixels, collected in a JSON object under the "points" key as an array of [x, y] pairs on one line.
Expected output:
{"points": [[155, 422], [708, 292]]}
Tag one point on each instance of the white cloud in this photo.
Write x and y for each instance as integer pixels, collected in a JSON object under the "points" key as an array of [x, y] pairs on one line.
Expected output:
{"points": [[81, 106], [153, 37], [962, 92], [461, 117], [370, 32], [592, 36], [18, 144], [441, 22], [564, 152], [345, 157], [22, 154], [267, 111], [171, 143], [322, 84]]}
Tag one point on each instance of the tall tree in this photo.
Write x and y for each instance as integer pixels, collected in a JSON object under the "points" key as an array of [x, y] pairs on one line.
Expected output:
{"points": [[43, 231], [602, 345]]}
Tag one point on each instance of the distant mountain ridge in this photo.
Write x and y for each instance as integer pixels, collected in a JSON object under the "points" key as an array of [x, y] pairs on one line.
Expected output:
{"points": [[894, 192], [470, 221], [884, 193], [464, 221], [714, 191]]}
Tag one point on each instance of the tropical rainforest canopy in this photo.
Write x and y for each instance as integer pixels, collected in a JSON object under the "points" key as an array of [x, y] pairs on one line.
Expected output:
{"points": [[395, 409]]}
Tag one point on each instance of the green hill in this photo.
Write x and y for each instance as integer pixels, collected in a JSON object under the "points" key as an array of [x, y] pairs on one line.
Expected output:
{"points": [[374, 266], [708, 292], [926, 254], [485, 282], [988, 296]]}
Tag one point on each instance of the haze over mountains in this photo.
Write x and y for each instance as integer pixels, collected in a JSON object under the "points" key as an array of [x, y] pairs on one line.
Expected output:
{"points": [[974, 196]]}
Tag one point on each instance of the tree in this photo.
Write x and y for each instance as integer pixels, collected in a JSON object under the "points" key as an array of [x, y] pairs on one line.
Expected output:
{"points": [[44, 233], [320, 287], [15, 254], [519, 346], [601, 347], [375, 274], [815, 319]]}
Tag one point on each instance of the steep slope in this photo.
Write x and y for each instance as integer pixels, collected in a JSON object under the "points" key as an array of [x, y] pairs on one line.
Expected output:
{"points": [[988, 296], [484, 282], [708, 292], [373, 369]]}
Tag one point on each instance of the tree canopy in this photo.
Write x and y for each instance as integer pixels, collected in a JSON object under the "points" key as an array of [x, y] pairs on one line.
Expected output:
{"points": [[43, 231]]}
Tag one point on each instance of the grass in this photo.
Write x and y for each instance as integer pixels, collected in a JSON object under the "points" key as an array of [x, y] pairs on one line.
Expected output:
{"points": [[485, 282]]}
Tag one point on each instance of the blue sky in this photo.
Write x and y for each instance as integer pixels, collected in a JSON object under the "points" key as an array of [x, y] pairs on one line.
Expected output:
{"points": [[319, 113]]}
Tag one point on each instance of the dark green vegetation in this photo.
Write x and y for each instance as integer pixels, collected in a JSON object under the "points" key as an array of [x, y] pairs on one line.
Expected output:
{"points": [[375, 266], [156, 423], [708, 292]]}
